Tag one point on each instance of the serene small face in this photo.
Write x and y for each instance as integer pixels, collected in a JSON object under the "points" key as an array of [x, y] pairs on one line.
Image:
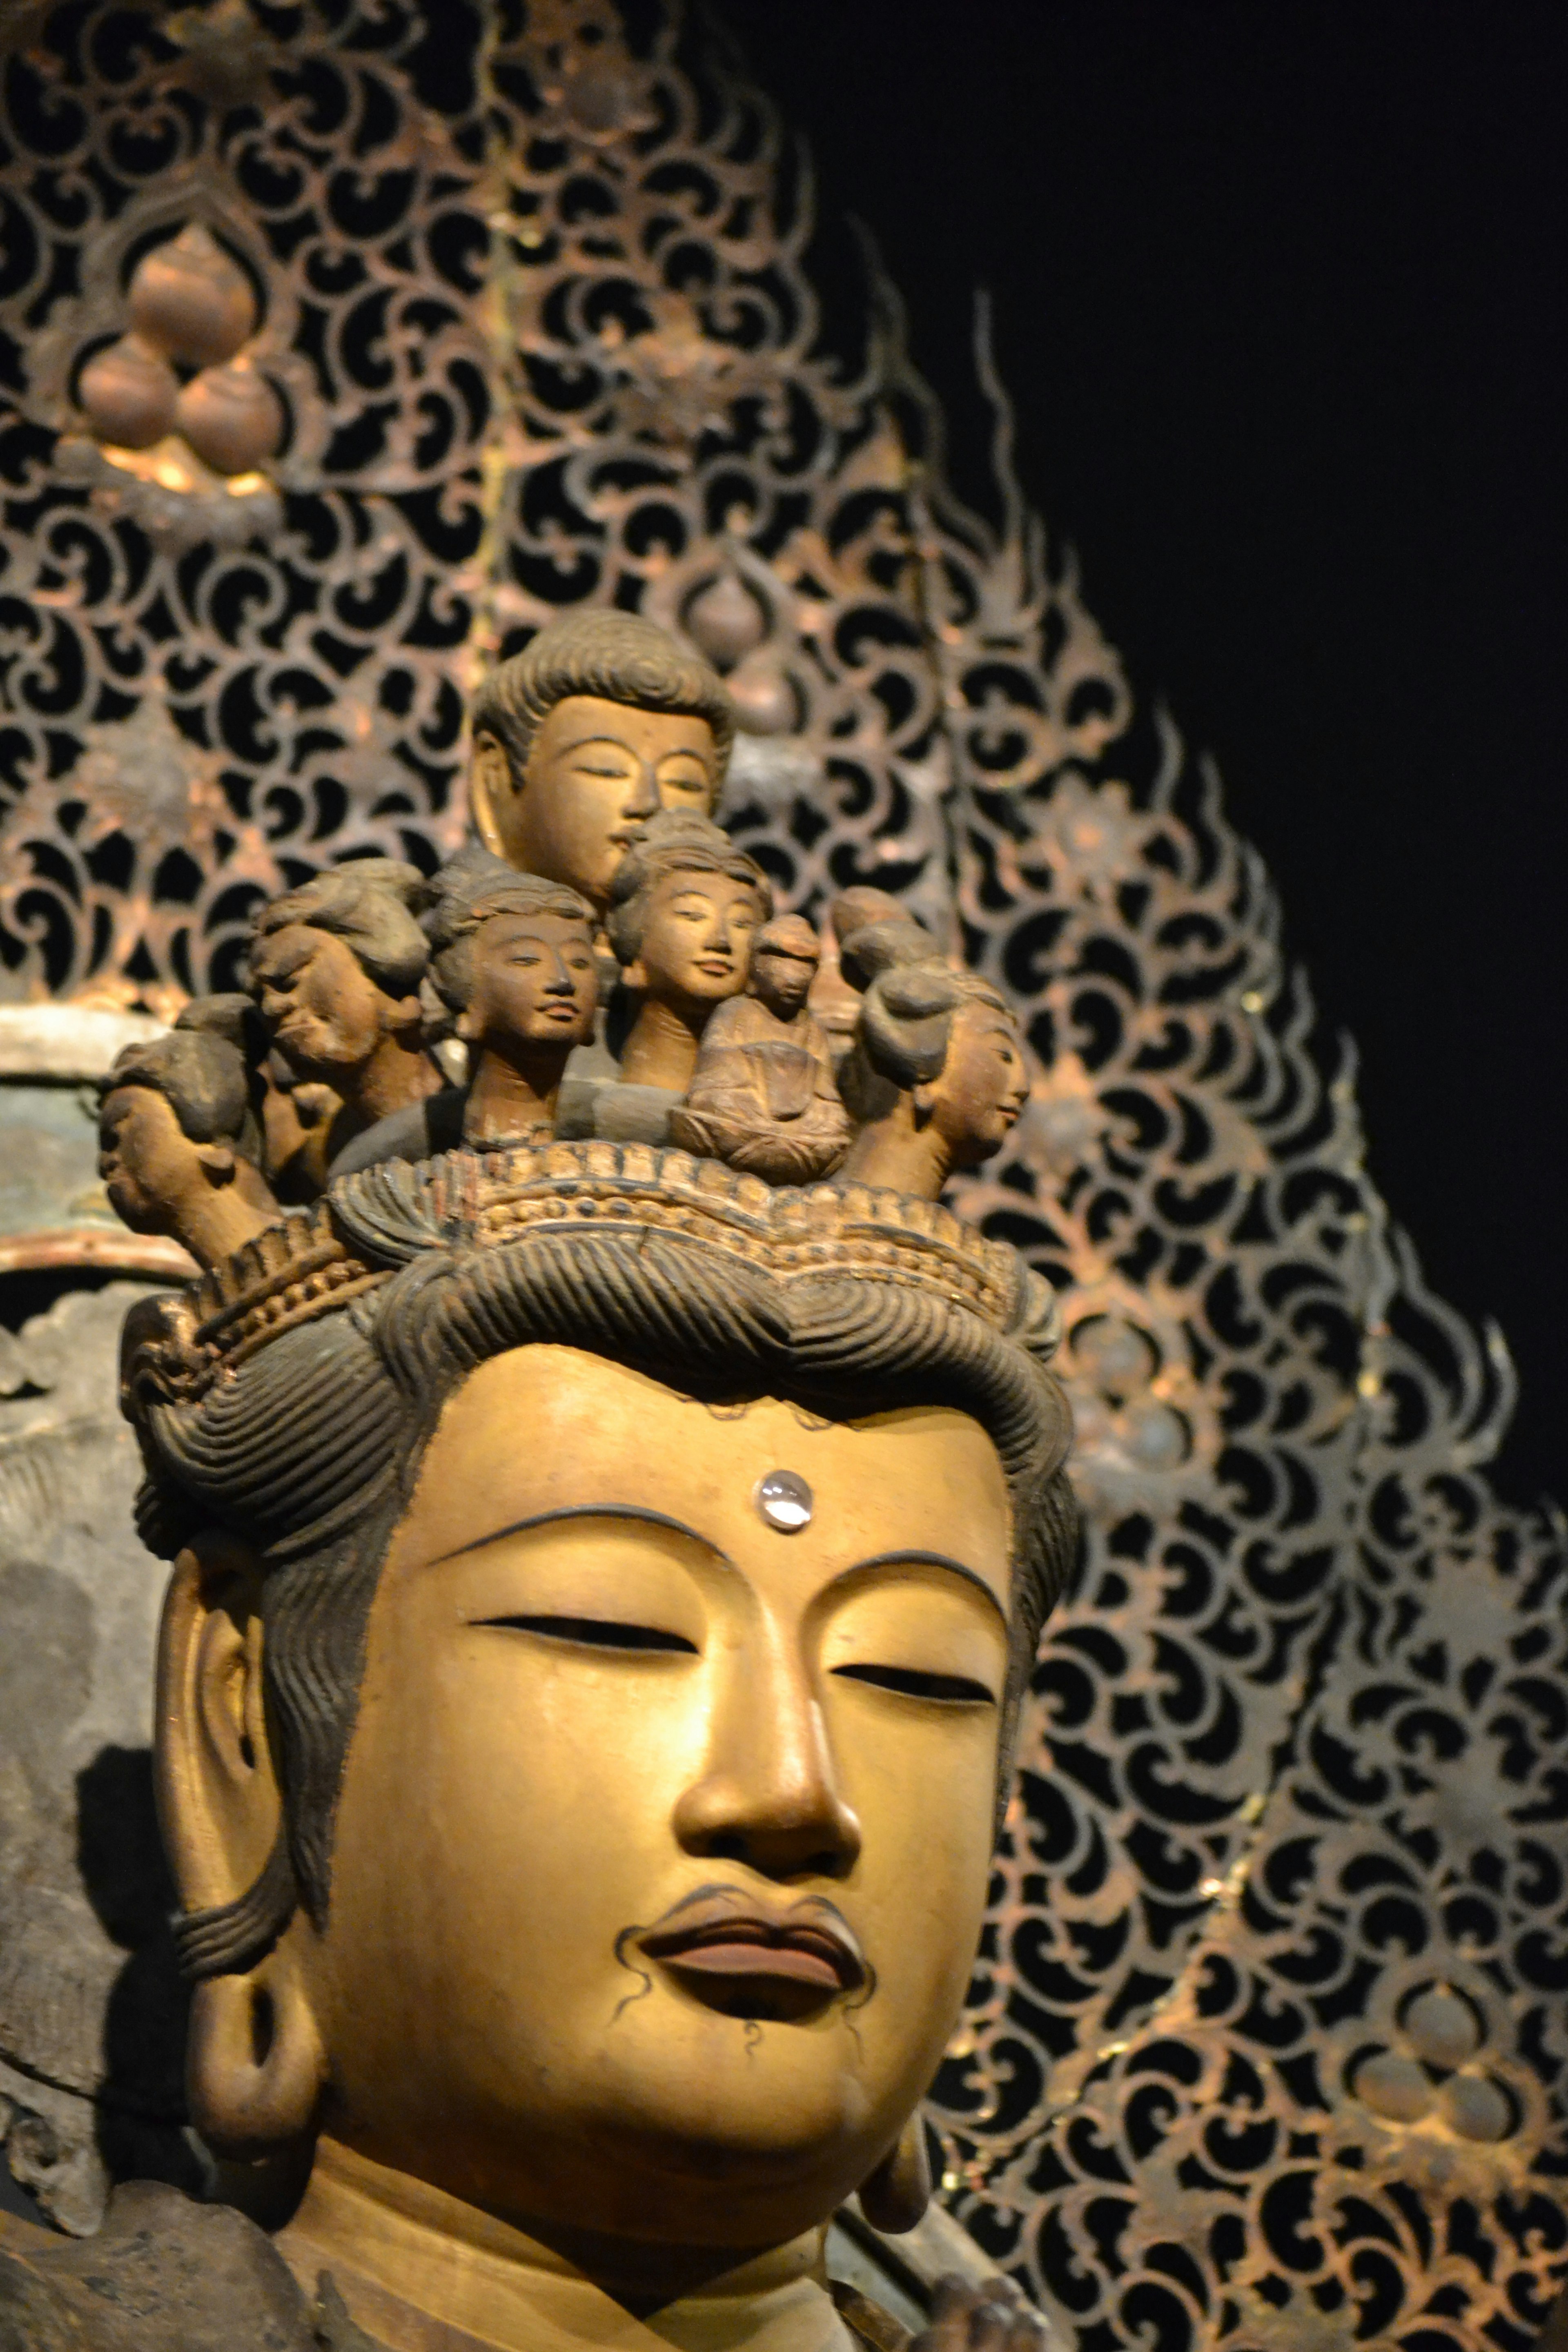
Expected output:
{"points": [[324, 1009], [596, 770], [697, 935], [535, 984], [984, 1084], [692, 1798], [146, 1160], [783, 978]]}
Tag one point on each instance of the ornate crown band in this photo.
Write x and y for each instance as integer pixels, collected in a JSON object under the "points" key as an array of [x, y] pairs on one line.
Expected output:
{"points": [[317, 1260]]}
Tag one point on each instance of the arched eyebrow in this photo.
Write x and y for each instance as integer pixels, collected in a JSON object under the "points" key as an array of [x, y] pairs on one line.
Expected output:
{"points": [[591, 743], [932, 1560], [633, 1511]]}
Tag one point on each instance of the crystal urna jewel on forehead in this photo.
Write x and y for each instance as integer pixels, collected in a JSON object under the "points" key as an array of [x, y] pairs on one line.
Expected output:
{"points": [[785, 1501]]}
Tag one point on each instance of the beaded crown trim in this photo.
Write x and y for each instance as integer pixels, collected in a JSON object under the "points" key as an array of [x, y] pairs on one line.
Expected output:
{"points": [[315, 1261]]}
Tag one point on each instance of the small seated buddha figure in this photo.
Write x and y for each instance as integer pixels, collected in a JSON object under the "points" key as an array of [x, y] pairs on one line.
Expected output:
{"points": [[597, 725], [178, 1144], [335, 968], [685, 910], [945, 1076], [763, 1096], [580, 1800]]}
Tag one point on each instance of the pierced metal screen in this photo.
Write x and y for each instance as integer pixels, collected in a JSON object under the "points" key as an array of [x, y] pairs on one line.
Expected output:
{"points": [[1266, 2044]]}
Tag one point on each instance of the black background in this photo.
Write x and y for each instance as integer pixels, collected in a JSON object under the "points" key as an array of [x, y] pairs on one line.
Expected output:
{"points": [[1279, 295]]}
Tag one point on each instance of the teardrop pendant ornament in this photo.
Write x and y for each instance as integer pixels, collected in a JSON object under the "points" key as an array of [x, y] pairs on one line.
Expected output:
{"points": [[192, 300]]}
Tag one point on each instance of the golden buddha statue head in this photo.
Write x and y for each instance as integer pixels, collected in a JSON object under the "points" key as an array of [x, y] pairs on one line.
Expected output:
{"points": [[606, 1590], [601, 722]]}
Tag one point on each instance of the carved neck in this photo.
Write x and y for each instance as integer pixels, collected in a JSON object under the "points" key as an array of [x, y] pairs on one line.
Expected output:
{"points": [[902, 1153], [395, 1076], [218, 1219], [421, 2271], [661, 1050], [508, 1098]]}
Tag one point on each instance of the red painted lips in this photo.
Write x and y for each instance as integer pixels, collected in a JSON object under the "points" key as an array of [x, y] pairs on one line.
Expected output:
{"points": [[721, 1945]]}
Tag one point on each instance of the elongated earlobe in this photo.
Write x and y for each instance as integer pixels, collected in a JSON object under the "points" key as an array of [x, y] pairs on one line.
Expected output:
{"points": [[894, 2196], [255, 2067], [490, 780], [254, 2061]]}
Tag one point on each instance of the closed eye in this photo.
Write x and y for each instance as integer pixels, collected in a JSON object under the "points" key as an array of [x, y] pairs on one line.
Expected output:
{"points": [[952, 1689], [596, 1632]]}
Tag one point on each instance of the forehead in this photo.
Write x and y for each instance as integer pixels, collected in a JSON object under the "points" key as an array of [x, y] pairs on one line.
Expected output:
{"points": [[546, 1429], [985, 1020], [134, 1100], [583, 719], [719, 889], [506, 929], [287, 948]]}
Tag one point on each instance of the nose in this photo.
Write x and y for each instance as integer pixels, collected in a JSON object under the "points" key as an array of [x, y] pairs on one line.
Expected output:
{"points": [[644, 800], [559, 983], [767, 1794]]}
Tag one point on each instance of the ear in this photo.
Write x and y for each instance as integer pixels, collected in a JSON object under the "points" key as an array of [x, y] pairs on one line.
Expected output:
{"points": [[490, 788], [466, 1026], [255, 2065], [407, 1012], [217, 1160], [633, 975], [218, 1801], [895, 2194], [923, 1101]]}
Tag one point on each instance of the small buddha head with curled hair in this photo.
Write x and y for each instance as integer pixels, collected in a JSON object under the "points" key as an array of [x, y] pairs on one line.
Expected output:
{"points": [[603, 720]]}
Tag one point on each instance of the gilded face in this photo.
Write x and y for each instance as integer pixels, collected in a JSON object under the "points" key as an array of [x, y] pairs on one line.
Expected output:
{"points": [[322, 1007], [536, 983], [984, 1084], [596, 770], [146, 1160], [697, 934], [665, 1831]]}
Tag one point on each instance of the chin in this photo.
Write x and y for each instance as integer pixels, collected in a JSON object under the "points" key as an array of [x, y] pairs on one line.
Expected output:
{"points": [[783, 2163], [139, 1215], [751, 2103]]}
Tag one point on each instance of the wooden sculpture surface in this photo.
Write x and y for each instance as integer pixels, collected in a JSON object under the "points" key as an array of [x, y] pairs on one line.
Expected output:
{"points": [[604, 1585]]}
